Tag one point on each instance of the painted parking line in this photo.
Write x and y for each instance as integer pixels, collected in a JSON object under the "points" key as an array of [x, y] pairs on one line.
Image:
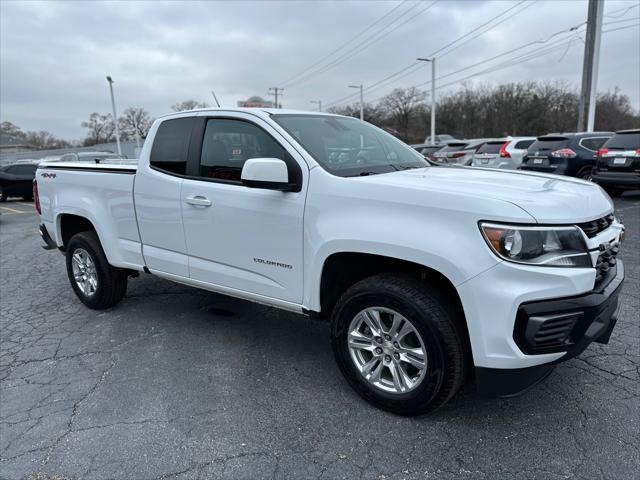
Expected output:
{"points": [[25, 204], [11, 210]]}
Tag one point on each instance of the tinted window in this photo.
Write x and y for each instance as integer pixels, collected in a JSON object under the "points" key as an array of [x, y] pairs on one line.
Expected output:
{"points": [[491, 147], [523, 144], [171, 145], [549, 143], [453, 147], [22, 169], [593, 143], [427, 150], [68, 158], [624, 141], [228, 144]]}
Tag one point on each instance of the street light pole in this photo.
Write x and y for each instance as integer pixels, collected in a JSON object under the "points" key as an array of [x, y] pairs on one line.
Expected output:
{"points": [[115, 117], [317, 102], [433, 96], [361, 100]]}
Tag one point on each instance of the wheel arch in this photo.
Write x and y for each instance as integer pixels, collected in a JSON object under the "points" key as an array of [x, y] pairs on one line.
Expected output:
{"points": [[343, 269]]}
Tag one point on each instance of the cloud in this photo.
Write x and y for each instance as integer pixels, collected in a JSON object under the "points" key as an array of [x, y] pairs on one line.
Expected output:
{"points": [[54, 56]]}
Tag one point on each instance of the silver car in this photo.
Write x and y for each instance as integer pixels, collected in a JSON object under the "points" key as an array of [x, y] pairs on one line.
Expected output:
{"points": [[503, 153], [459, 152]]}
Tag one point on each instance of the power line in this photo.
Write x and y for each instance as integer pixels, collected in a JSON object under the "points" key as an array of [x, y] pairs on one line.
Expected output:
{"points": [[621, 28], [418, 64], [626, 9], [366, 43], [346, 43], [572, 30], [475, 29]]}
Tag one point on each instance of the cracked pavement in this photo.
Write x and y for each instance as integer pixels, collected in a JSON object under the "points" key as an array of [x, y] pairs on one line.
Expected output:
{"points": [[178, 383]]}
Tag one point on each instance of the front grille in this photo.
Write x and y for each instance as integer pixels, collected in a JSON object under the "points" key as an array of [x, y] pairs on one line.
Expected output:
{"points": [[605, 265], [594, 227]]}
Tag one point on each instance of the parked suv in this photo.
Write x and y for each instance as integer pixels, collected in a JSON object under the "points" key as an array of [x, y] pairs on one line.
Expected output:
{"points": [[459, 152], [571, 154], [506, 154], [618, 166]]}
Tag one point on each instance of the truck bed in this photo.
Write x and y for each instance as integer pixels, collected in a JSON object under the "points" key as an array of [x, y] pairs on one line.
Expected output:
{"points": [[102, 193]]}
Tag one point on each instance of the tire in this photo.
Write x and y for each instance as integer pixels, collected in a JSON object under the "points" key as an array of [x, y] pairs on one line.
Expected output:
{"points": [[3, 195], [433, 318], [586, 174], [110, 282], [28, 199]]}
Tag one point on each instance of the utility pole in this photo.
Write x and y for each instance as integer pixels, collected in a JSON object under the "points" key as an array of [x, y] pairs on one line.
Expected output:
{"points": [[115, 117], [317, 102], [361, 100], [275, 91], [587, 105], [433, 96]]}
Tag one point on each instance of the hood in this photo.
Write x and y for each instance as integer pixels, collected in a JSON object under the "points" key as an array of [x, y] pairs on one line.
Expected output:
{"points": [[547, 198]]}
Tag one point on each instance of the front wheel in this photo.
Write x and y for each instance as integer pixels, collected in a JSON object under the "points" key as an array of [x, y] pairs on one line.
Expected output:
{"points": [[399, 344], [96, 283]]}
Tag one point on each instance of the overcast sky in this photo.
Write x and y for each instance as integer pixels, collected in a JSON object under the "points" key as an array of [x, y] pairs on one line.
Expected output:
{"points": [[54, 55]]}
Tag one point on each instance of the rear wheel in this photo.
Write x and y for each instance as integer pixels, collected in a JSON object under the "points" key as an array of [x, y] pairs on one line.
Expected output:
{"points": [[3, 195], [96, 283], [586, 174], [398, 344]]}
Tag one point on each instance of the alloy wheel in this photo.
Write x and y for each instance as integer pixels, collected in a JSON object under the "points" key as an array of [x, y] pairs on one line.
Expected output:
{"points": [[84, 272], [387, 350]]}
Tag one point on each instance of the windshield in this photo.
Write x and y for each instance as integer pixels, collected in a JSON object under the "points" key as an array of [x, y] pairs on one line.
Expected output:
{"points": [[348, 147]]}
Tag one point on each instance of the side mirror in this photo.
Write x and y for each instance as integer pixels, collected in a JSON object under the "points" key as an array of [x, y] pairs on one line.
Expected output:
{"points": [[268, 173]]}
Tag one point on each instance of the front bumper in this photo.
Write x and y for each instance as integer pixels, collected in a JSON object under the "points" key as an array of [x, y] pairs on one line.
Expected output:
{"points": [[564, 326]]}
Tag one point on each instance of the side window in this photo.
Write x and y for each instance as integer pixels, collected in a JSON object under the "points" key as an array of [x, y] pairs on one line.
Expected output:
{"points": [[593, 143], [228, 143], [67, 158], [171, 145], [523, 144]]}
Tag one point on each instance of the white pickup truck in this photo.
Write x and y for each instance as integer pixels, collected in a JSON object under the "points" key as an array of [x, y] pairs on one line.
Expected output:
{"points": [[429, 275]]}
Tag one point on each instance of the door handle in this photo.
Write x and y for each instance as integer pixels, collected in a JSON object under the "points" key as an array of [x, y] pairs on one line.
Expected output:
{"points": [[199, 201]]}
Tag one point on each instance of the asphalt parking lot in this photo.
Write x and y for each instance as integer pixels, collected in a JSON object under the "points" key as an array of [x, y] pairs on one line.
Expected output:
{"points": [[180, 383]]}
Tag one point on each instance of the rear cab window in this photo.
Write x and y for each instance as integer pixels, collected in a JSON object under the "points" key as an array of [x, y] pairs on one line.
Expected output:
{"points": [[624, 141], [171, 145]]}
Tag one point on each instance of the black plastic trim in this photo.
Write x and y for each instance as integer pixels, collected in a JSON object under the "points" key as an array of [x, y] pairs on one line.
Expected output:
{"points": [[507, 382], [88, 169], [596, 314], [44, 233]]}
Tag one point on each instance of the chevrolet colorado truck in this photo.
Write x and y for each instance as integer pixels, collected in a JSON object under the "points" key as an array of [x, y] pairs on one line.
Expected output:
{"points": [[430, 276]]}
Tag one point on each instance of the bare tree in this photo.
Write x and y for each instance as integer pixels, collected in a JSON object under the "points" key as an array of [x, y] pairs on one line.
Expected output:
{"points": [[402, 105], [188, 105], [100, 128], [135, 120], [43, 140], [9, 130]]}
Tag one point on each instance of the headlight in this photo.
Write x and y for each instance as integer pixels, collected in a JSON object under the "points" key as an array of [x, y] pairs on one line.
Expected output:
{"points": [[545, 246]]}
